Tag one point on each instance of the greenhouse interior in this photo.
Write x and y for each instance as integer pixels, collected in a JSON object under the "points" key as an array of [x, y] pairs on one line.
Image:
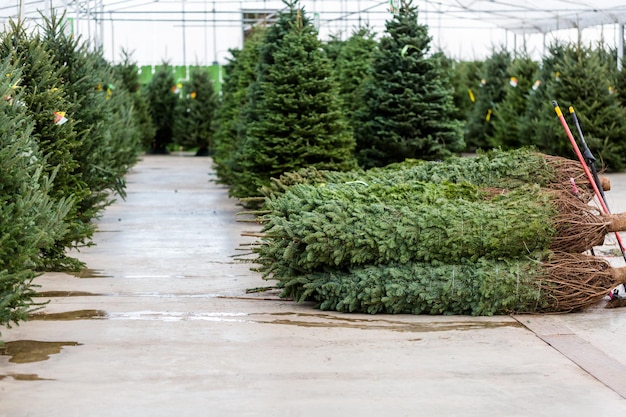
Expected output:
{"points": [[305, 208]]}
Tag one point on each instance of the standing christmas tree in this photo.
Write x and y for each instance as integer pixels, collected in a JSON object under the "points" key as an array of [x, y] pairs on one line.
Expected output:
{"points": [[48, 105], [578, 76], [162, 99], [127, 72], [195, 111], [506, 131], [351, 66], [408, 109], [294, 117], [30, 220], [489, 92], [239, 75]]}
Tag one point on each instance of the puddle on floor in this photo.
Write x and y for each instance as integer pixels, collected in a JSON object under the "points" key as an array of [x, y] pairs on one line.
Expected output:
{"points": [[91, 273], [66, 294], [25, 351], [25, 377], [332, 321], [177, 316], [70, 315]]}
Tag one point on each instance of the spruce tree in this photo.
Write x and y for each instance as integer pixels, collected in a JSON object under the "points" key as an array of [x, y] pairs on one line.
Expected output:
{"points": [[491, 91], [30, 219], [239, 74], [162, 98], [408, 109], [507, 132], [294, 117], [195, 112]]}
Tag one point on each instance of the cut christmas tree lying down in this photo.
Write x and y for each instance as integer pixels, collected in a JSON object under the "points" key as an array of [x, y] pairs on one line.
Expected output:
{"points": [[499, 233]]}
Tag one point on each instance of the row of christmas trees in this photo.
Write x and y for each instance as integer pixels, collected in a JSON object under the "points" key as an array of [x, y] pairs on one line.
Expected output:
{"points": [[290, 101], [69, 133], [506, 100]]}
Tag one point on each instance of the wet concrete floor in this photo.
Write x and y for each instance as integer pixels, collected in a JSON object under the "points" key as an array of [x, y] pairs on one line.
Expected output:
{"points": [[161, 324]]}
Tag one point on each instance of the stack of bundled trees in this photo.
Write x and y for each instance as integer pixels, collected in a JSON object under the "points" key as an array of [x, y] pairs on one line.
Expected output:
{"points": [[502, 232]]}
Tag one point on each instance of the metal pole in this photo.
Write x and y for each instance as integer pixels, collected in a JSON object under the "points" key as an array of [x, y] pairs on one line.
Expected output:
{"points": [[184, 42], [20, 10], [214, 36], [620, 45]]}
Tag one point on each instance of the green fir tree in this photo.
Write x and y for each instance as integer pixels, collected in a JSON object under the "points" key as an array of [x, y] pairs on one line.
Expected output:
{"points": [[293, 117], [30, 219], [351, 67], [240, 73], [162, 97], [578, 76], [465, 81], [127, 72], [491, 90], [407, 108], [52, 112], [507, 129], [193, 127]]}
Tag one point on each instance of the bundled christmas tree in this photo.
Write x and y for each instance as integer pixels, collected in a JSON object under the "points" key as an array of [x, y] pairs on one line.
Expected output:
{"points": [[555, 282], [195, 111], [400, 231], [356, 224], [408, 109], [293, 117], [494, 168]]}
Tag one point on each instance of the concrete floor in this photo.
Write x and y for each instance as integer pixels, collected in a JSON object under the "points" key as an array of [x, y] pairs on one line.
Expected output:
{"points": [[161, 325]]}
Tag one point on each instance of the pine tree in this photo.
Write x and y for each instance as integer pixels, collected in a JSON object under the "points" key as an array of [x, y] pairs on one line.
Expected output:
{"points": [[506, 132], [195, 112], [239, 74], [293, 118], [30, 219], [491, 91], [407, 111], [162, 99]]}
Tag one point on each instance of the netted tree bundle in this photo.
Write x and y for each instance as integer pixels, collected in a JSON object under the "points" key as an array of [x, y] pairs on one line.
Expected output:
{"points": [[311, 227], [559, 283], [495, 168]]}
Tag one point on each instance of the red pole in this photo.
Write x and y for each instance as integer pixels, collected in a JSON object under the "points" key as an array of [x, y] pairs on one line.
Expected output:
{"points": [[559, 113]]}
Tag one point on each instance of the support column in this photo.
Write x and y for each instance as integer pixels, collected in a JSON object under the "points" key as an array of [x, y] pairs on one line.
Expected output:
{"points": [[620, 45]]}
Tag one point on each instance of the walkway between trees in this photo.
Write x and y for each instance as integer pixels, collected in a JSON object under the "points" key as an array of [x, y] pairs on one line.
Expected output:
{"points": [[161, 324]]}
